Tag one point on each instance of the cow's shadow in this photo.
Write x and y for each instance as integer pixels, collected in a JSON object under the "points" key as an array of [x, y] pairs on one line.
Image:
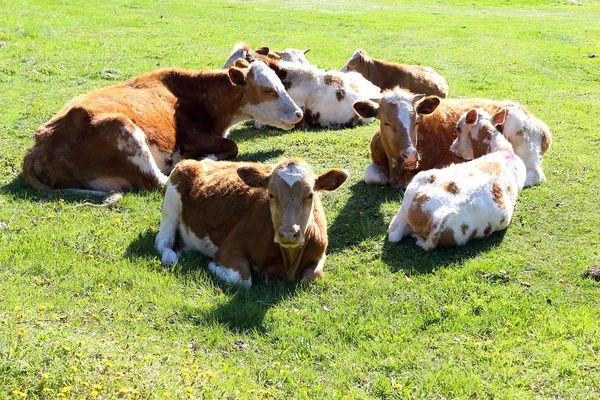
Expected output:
{"points": [[405, 256], [361, 217], [245, 309]]}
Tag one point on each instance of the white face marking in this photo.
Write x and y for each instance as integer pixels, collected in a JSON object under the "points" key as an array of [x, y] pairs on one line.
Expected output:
{"points": [[281, 112], [291, 174], [404, 101], [229, 275]]}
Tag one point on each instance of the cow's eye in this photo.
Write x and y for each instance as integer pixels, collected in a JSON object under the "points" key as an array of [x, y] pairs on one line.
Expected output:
{"points": [[310, 196], [270, 195], [271, 92], [388, 125]]}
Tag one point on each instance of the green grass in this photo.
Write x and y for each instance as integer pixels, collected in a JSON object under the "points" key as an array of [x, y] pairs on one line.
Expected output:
{"points": [[84, 300]]}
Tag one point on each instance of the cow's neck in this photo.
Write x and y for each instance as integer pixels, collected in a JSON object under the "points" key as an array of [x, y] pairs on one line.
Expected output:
{"points": [[291, 260], [212, 92], [498, 142]]}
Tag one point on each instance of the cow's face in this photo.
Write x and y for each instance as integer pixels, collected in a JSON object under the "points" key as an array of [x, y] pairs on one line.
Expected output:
{"points": [[358, 63], [293, 55], [399, 112], [474, 131], [265, 99], [291, 187]]}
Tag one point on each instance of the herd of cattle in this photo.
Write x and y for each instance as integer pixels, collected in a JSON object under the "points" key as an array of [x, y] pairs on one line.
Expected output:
{"points": [[462, 161]]}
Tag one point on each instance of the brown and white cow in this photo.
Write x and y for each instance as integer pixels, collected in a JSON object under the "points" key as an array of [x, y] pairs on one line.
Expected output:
{"points": [[428, 124], [388, 75], [130, 135], [244, 215], [451, 206], [325, 97], [243, 50]]}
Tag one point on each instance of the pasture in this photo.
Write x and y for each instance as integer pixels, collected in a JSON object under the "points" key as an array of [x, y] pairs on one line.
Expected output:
{"points": [[87, 310]]}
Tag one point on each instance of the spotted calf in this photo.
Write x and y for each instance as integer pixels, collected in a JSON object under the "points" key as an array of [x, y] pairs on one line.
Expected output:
{"points": [[246, 215], [456, 204]]}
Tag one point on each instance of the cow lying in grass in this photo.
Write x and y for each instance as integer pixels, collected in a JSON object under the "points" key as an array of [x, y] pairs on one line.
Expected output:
{"points": [[388, 75], [248, 214], [450, 206], [326, 98], [243, 50], [132, 134], [428, 124]]}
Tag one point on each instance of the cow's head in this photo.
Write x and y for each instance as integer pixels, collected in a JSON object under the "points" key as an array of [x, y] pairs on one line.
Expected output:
{"points": [[474, 133], [359, 62], [400, 113], [293, 55], [292, 189], [264, 99], [243, 50]]}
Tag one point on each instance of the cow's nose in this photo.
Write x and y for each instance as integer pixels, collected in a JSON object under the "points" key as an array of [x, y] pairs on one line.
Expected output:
{"points": [[409, 155], [289, 234], [299, 115]]}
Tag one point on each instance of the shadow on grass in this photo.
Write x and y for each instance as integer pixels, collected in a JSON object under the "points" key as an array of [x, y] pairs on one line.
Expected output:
{"points": [[262, 156], [407, 257], [361, 217], [246, 308], [20, 189]]}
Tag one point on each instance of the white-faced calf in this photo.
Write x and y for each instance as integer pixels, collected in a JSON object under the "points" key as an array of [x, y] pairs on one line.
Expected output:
{"points": [[388, 75], [246, 215], [450, 206], [132, 134]]}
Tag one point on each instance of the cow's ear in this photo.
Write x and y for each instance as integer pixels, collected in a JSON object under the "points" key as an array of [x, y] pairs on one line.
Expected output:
{"points": [[471, 117], [361, 55], [238, 76], [427, 105], [305, 51], [499, 117], [253, 176], [366, 108], [263, 51], [331, 180], [242, 63]]}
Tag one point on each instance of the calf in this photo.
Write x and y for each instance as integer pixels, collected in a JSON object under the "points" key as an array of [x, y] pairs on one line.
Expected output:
{"points": [[243, 50], [434, 125], [388, 75], [248, 214], [130, 135], [450, 206], [326, 98]]}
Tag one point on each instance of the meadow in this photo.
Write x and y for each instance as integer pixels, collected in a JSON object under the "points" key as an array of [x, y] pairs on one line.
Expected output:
{"points": [[87, 310]]}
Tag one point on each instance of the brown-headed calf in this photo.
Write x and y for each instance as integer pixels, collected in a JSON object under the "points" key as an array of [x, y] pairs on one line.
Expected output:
{"points": [[245, 215], [132, 134], [388, 75], [428, 124]]}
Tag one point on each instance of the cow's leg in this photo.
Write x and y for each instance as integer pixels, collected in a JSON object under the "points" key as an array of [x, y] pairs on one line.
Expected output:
{"points": [[398, 227], [314, 272], [165, 239], [375, 174], [232, 267], [119, 157], [216, 147]]}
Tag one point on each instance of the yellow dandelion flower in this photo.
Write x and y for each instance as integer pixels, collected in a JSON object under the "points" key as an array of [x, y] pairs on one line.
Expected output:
{"points": [[240, 373], [117, 220], [167, 394], [46, 390], [210, 374], [22, 331], [74, 368], [140, 317], [84, 383], [276, 363], [265, 391], [251, 390], [41, 307], [97, 387], [94, 393], [61, 395], [397, 386], [189, 389], [66, 389], [66, 348], [45, 376]]}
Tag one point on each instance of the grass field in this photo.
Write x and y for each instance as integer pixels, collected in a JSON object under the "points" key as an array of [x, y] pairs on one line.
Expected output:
{"points": [[87, 310]]}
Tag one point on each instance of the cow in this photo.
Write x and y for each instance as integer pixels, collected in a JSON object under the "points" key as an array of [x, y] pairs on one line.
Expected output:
{"points": [[129, 136], [293, 55], [243, 50], [428, 124], [388, 75], [325, 97], [248, 214], [456, 204]]}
